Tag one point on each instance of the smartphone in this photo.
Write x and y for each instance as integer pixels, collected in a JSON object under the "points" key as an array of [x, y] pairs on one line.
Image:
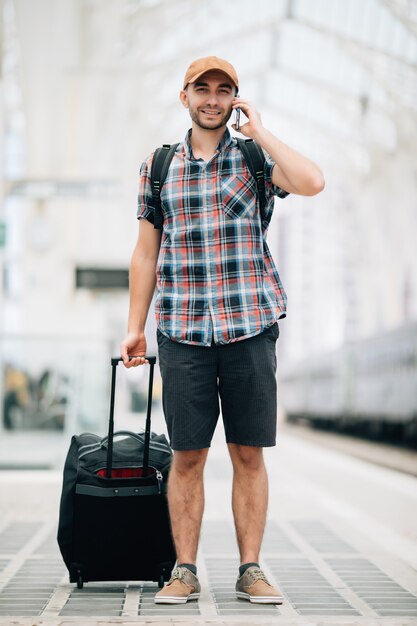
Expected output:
{"points": [[237, 119], [237, 115]]}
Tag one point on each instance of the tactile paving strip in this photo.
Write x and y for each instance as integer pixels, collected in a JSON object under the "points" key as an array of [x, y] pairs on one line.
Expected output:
{"points": [[95, 600], [374, 587], [16, 535], [29, 590], [148, 607], [308, 591], [222, 576], [321, 538]]}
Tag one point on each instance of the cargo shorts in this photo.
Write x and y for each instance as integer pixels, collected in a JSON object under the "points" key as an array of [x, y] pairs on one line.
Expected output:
{"points": [[242, 374]]}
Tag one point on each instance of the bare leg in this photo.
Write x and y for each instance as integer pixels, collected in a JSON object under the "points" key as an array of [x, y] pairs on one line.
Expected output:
{"points": [[186, 501], [249, 499]]}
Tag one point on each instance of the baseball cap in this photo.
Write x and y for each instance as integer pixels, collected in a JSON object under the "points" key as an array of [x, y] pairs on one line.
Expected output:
{"points": [[201, 66]]}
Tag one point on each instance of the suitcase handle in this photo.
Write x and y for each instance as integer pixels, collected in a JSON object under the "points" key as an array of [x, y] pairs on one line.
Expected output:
{"points": [[114, 363], [126, 433], [117, 359]]}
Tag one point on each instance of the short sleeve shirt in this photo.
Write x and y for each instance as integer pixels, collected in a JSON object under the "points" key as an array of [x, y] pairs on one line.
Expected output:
{"points": [[216, 279]]}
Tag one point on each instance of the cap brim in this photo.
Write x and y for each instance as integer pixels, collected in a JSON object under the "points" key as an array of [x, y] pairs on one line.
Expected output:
{"points": [[217, 69]]}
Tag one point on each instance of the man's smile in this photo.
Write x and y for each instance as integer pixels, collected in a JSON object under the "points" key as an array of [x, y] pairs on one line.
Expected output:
{"points": [[212, 113]]}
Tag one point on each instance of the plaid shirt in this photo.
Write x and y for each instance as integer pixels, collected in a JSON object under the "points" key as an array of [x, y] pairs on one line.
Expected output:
{"points": [[215, 273]]}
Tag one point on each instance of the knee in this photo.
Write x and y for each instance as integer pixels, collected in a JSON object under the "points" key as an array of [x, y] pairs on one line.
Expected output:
{"points": [[190, 461], [246, 458]]}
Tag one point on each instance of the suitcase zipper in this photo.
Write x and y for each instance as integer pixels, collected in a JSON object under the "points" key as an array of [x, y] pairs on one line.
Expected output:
{"points": [[160, 480], [158, 475]]}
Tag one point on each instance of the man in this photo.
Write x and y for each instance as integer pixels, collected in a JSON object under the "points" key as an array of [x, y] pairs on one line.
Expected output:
{"points": [[218, 302]]}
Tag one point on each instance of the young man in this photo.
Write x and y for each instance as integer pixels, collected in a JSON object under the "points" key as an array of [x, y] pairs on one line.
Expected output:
{"points": [[218, 302]]}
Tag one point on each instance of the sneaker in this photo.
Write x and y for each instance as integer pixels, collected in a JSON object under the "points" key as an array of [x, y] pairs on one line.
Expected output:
{"points": [[253, 586], [182, 586]]}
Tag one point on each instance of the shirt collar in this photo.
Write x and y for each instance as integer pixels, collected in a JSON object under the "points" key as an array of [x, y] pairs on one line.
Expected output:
{"points": [[224, 142]]}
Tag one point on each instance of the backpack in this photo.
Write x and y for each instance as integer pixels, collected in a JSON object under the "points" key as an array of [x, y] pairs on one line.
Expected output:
{"points": [[252, 153]]}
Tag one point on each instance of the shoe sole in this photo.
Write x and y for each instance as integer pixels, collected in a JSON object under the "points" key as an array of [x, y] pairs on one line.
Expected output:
{"points": [[176, 599], [260, 599]]}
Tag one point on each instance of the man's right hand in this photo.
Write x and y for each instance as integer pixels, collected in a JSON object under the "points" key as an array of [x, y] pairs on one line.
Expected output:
{"points": [[134, 344]]}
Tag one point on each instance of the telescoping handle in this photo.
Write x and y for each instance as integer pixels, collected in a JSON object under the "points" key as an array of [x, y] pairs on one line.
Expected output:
{"points": [[114, 363]]}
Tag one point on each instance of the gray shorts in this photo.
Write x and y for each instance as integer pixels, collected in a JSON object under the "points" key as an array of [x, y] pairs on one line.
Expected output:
{"points": [[242, 373]]}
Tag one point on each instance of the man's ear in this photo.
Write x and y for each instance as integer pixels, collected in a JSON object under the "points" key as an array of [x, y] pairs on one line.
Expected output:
{"points": [[184, 98]]}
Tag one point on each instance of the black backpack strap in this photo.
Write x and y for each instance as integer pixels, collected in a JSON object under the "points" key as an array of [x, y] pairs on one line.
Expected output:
{"points": [[255, 160], [160, 164]]}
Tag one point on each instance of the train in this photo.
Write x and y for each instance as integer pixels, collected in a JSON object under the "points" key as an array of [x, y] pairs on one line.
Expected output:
{"points": [[367, 387]]}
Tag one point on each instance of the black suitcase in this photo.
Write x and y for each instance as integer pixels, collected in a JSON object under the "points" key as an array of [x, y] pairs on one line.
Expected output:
{"points": [[114, 521]]}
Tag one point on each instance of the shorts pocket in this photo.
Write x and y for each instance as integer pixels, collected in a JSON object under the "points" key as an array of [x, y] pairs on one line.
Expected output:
{"points": [[238, 196], [160, 337]]}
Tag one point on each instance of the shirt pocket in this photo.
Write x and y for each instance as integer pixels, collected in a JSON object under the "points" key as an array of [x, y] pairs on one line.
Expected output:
{"points": [[238, 196]]}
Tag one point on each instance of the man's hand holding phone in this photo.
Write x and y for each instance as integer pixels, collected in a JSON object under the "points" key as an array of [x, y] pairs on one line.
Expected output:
{"points": [[254, 123]]}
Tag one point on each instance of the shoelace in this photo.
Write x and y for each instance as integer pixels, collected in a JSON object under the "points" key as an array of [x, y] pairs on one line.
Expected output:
{"points": [[256, 575], [178, 574]]}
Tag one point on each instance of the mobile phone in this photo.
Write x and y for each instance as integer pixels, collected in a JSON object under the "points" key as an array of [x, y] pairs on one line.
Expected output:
{"points": [[237, 119]]}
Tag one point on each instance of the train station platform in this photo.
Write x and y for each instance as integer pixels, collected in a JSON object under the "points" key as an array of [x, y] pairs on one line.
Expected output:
{"points": [[340, 542]]}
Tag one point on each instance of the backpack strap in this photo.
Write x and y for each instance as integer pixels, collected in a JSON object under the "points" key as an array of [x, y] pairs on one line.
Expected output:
{"points": [[160, 164], [255, 160]]}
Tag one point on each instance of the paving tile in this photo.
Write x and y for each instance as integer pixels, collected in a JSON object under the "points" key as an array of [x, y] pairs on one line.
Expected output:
{"points": [[374, 587], [309, 589], [303, 584]]}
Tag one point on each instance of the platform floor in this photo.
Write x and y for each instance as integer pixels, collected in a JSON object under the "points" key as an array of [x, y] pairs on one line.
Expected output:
{"points": [[341, 543]]}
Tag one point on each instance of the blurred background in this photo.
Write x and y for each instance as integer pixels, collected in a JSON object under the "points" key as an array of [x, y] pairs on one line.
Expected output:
{"points": [[90, 87]]}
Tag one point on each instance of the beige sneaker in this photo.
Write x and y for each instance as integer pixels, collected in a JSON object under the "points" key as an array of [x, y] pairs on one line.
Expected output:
{"points": [[182, 586], [253, 586]]}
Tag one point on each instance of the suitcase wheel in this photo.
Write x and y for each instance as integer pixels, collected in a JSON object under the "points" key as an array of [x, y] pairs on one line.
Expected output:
{"points": [[80, 582], [161, 581]]}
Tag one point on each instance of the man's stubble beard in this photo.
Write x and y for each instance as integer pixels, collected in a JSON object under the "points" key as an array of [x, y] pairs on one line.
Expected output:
{"points": [[223, 121]]}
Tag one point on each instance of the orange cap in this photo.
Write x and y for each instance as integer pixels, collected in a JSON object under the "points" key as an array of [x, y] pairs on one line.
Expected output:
{"points": [[201, 66]]}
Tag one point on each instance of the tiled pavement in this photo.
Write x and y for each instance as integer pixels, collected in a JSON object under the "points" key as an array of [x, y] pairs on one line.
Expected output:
{"points": [[339, 582], [322, 547]]}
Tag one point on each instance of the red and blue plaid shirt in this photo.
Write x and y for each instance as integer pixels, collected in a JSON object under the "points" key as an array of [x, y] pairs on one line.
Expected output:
{"points": [[215, 273]]}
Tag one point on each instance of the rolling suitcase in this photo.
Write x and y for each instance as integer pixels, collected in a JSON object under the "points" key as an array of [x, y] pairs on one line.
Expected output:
{"points": [[113, 521]]}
